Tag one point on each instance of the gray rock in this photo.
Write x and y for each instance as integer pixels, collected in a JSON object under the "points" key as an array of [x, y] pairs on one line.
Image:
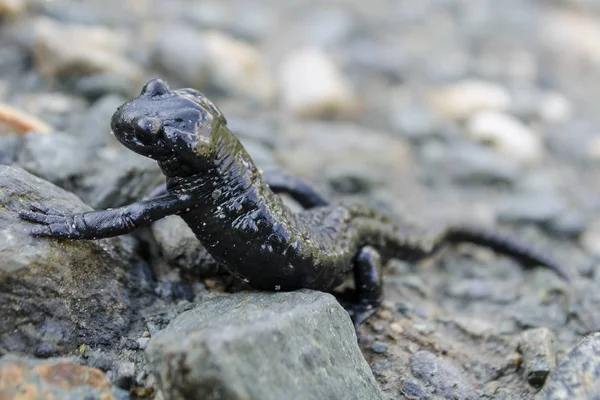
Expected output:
{"points": [[443, 379], [538, 350], [13, 60], [181, 249], [218, 63], [328, 27], [95, 86], [56, 294], [467, 163], [414, 123], [578, 376], [379, 347], [125, 375], [172, 56], [569, 224], [247, 21], [323, 149], [351, 178], [93, 126], [120, 177], [56, 157], [64, 51], [530, 208], [413, 389], [10, 144], [297, 345]]}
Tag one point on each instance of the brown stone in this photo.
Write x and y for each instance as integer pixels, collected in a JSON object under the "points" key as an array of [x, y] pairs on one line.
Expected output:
{"points": [[55, 378]]}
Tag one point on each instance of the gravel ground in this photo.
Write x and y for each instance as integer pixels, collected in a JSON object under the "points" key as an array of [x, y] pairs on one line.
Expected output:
{"points": [[440, 110]]}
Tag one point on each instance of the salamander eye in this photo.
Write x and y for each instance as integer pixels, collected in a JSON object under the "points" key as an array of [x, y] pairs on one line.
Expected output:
{"points": [[155, 87], [147, 129]]}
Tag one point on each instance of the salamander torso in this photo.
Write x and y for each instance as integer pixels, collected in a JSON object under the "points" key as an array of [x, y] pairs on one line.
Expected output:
{"points": [[215, 187]]}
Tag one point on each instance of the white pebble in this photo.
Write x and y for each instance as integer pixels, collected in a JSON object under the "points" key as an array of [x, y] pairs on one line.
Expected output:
{"points": [[312, 85], [507, 135], [460, 100], [238, 67], [554, 107]]}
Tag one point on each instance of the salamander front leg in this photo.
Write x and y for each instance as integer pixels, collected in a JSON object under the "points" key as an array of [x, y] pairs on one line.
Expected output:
{"points": [[367, 279], [102, 224]]}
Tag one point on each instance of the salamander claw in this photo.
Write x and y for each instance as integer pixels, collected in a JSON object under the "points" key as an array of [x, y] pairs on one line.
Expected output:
{"points": [[53, 223], [46, 210]]}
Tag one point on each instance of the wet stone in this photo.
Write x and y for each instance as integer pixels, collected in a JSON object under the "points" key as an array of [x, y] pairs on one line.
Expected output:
{"points": [[125, 375], [250, 21], [10, 146], [121, 177], [413, 123], [538, 350], [328, 27], [530, 208], [578, 375], [442, 379], [181, 249], [58, 378], [66, 51], [468, 164], [257, 345], [219, 63], [92, 127], [67, 160], [96, 85], [379, 347], [91, 276], [413, 389]]}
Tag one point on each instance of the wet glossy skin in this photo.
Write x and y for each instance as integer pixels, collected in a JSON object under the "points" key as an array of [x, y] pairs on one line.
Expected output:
{"points": [[214, 186]]}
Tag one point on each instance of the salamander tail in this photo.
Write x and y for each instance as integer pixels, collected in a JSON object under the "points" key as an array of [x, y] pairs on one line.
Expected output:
{"points": [[507, 245]]}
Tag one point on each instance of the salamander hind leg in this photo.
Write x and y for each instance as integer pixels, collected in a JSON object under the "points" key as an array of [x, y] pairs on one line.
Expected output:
{"points": [[368, 283]]}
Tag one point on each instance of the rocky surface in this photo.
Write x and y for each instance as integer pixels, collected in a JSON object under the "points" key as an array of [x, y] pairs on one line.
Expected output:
{"points": [[441, 110], [298, 345], [578, 376], [56, 295]]}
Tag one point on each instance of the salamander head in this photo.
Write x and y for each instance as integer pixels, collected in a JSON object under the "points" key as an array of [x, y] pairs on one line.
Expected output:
{"points": [[172, 126]]}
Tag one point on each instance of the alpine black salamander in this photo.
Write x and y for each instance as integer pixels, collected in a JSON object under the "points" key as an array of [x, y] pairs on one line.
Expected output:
{"points": [[215, 187]]}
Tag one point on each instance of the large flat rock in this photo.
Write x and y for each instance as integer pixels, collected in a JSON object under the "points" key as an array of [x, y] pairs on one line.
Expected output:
{"points": [[256, 345]]}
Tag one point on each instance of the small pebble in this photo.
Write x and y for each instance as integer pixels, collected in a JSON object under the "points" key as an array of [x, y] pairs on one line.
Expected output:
{"points": [[143, 342], [554, 107], [379, 347], [11, 8], [461, 100], [507, 135], [384, 314], [125, 375], [237, 68], [68, 50], [396, 328], [313, 86], [538, 350]]}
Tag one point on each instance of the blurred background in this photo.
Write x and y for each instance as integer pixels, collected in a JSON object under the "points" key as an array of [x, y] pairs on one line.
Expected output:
{"points": [[476, 110]]}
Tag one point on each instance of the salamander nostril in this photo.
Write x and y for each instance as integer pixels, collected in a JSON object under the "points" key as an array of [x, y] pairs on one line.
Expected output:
{"points": [[147, 129], [155, 87]]}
